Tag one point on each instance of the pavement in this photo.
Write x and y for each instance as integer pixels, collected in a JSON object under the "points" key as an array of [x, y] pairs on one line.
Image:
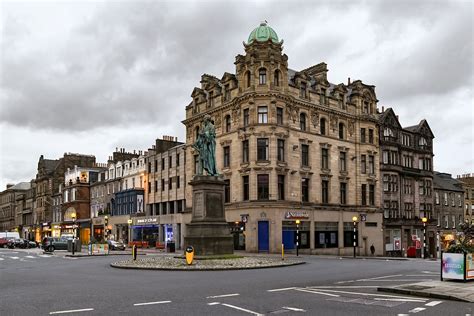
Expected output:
{"points": [[449, 290]]}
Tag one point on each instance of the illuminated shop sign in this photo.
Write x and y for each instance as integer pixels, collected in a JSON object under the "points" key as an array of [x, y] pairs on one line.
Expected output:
{"points": [[296, 215], [147, 220]]}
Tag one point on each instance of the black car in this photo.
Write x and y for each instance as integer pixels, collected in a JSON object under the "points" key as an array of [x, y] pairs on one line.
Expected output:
{"points": [[21, 243]]}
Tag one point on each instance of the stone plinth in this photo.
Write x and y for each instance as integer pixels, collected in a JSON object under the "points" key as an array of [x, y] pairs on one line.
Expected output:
{"points": [[208, 231]]}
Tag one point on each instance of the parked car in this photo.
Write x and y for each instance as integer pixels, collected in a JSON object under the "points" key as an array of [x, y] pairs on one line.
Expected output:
{"points": [[4, 241], [54, 243], [17, 243], [116, 245]]}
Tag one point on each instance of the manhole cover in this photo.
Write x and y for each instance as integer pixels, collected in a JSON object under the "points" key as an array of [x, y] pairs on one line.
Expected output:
{"points": [[417, 287]]}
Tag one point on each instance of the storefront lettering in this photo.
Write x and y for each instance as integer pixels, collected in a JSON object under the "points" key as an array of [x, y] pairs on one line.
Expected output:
{"points": [[296, 215], [147, 220]]}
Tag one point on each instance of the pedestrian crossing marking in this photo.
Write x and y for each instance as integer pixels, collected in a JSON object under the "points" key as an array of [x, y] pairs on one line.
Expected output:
{"points": [[15, 258]]}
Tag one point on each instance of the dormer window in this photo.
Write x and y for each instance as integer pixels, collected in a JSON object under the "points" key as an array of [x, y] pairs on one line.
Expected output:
{"points": [[227, 92], [211, 98], [262, 76], [303, 90], [422, 142], [366, 107]]}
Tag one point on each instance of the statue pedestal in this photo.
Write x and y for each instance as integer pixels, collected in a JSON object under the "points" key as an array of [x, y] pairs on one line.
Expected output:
{"points": [[208, 231]]}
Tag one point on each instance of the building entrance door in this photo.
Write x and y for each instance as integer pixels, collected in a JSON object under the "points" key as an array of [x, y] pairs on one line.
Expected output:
{"points": [[263, 236]]}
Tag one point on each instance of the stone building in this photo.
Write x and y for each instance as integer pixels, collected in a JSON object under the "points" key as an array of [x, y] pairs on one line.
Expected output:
{"points": [[24, 212], [165, 195], [468, 185], [406, 171], [448, 206], [49, 177], [9, 207], [291, 146]]}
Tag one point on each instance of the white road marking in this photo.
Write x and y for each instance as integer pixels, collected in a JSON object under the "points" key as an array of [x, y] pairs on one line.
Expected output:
{"points": [[213, 303], [30, 257], [45, 256], [316, 292], [151, 303], [399, 299], [294, 309], [342, 282], [345, 287], [224, 295], [429, 272], [416, 310], [433, 303], [402, 314], [15, 258], [397, 280], [243, 309], [284, 289], [382, 277], [368, 294], [72, 311]]}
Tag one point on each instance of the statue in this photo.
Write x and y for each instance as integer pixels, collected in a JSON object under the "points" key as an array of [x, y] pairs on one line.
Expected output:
{"points": [[206, 147]]}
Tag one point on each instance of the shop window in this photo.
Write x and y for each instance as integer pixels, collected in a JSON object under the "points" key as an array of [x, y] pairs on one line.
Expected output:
{"points": [[326, 234], [349, 235]]}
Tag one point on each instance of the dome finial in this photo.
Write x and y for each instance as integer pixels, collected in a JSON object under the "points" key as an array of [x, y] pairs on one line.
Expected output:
{"points": [[263, 33]]}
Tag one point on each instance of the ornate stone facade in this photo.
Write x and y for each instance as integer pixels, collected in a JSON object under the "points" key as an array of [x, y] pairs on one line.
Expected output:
{"points": [[287, 141]]}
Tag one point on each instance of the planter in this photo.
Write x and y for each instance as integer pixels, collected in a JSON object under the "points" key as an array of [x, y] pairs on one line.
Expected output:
{"points": [[457, 266]]}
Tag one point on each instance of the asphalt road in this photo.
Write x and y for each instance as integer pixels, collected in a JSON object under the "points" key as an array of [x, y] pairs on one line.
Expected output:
{"points": [[35, 284]]}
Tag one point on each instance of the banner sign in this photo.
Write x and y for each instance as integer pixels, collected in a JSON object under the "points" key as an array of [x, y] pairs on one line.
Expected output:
{"points": [[470, 266], [99, 249], [452, 266]]}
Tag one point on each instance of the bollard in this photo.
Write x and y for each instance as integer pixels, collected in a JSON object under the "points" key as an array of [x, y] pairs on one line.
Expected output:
{"points": [[134, 252], [189, 255], [282, 251]]}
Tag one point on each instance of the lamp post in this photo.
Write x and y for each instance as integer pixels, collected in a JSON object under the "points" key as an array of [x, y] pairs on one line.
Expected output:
{"points": [[297, 236], [73, 216], [354, 221], [424, 220], [129, 230], [106, 228]]}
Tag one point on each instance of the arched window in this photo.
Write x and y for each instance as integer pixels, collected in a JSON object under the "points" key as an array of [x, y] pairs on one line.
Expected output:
{"points": [[341, 131], [248, 78], [262, 76], [276, 78], [227, 123], [303, 121], [322, 126]]}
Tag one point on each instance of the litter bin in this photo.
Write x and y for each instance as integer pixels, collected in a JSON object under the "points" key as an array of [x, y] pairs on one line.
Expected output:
{"points": [[170, 247], [77, 245]]}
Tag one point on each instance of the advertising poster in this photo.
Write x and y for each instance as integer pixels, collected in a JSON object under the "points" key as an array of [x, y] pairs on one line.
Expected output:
{"points": [[470, 266], [453, 266]]}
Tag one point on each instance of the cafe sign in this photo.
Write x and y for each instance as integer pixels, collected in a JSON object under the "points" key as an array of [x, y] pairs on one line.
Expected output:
{"points": [[146, 220], [296, 215]]}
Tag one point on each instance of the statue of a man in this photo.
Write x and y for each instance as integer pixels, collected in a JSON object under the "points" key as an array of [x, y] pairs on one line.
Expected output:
{"points": [[206, 147]]}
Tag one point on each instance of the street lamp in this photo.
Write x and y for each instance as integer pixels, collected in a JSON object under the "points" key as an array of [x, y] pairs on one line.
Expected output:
{"points": [[424, 220], [73, 216], [106, 221], [297, 236], [354, 221]]}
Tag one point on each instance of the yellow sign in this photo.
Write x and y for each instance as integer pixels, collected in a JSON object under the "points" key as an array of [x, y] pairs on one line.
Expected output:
{"points": [[189, 255]]}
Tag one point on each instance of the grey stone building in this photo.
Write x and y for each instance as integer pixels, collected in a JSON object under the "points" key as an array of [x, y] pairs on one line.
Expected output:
{"points": [[291, 150], [406, 171], [10, 208], [468, 185], [448, 206]]}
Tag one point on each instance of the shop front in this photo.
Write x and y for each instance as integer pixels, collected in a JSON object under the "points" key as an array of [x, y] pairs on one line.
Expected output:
{"points": [[296, 223], [98, 230], [145, 232], [237, 229]]}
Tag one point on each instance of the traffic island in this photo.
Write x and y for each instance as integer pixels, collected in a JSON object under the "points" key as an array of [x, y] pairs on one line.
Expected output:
{"points": [[448, 290], [179, 264]]}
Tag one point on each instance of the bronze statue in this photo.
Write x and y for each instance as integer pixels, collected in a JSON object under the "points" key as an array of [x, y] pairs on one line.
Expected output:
{"points": [[206, 147]]}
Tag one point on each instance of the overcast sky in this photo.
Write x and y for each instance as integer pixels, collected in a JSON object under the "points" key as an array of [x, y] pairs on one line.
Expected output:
{"points": [[90, 76]]}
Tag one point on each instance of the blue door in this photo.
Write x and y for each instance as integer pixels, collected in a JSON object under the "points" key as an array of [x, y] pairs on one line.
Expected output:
{"points": [[288, 237], [263, 233]]}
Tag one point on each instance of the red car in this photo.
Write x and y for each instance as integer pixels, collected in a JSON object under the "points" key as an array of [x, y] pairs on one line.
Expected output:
{"points": [[4, 241]]}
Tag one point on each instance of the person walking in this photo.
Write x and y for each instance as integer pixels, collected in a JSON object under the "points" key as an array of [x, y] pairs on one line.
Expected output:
{"points": [[372, 249]]}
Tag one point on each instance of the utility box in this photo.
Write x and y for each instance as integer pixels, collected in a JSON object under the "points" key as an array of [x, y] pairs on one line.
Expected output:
{"points": [[77, 245]]}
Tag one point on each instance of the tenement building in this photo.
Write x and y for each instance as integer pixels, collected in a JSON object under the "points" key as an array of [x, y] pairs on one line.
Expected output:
{"points": [[165, 196], [296, 151], [406, 159], [9, 206], [468, 185], [448, 207]]}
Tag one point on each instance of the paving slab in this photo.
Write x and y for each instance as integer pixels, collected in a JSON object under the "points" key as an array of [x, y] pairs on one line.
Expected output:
{"points": [[448, 289]]}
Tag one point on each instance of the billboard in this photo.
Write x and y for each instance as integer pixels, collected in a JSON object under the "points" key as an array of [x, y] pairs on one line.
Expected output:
{"points": [[452, 266], [470, 266]]}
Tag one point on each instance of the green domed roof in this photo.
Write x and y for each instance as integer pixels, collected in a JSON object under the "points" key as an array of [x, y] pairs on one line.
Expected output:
{"points": [[262, 34]]}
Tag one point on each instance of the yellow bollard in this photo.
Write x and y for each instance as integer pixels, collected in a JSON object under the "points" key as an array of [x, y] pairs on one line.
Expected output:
{"points": [[282, 251]]}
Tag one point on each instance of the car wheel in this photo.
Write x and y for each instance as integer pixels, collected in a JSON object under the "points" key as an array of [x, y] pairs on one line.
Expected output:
{"points": [[51, 248]]}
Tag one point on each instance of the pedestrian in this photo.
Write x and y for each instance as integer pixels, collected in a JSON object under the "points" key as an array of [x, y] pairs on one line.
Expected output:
{"points": [[372, 249]]}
